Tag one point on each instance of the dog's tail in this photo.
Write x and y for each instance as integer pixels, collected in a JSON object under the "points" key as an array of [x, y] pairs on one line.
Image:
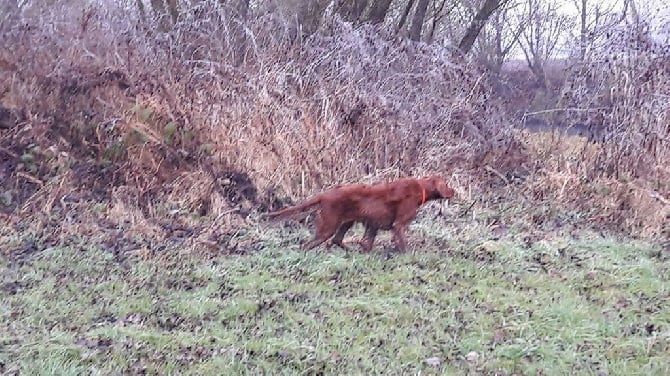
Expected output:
{"points": [[295, 209]]}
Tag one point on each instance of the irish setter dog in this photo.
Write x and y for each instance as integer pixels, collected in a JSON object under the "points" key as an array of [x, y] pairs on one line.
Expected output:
{"points": [[386, 206]]}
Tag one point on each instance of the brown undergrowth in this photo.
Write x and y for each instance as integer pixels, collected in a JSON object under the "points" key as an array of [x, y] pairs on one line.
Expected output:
{"points": [[130, 137]]}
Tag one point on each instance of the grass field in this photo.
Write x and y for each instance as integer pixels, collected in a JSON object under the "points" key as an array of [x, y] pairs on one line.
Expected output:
{"points": [[456, 304]]}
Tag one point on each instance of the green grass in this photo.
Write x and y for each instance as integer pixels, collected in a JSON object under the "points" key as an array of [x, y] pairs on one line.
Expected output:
{"points": [[450, 306]]}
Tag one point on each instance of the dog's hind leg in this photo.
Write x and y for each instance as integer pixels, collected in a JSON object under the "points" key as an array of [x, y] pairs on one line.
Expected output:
{"points": [[339, 236], [326, 226], [368, 238]]}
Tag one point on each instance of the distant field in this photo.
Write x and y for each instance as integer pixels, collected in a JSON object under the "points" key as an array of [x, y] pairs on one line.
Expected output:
{"points": [[456, 304]]}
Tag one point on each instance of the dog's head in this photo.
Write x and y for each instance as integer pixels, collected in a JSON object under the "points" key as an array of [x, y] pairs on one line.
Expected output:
{"points": [[439, 187]]}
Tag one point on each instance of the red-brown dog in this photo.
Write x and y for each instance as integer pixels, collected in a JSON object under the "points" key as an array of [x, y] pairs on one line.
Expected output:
{"points": [[386, 206]]}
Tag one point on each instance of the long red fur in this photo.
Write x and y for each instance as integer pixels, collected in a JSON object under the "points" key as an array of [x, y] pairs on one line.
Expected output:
{"points": [[387, 206]]}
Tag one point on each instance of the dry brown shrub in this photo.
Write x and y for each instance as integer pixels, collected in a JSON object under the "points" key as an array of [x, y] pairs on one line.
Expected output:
{"points": [[184, 128]]}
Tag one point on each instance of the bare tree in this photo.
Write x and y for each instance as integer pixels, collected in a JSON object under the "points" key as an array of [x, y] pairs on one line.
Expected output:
{"points": [[501, 35], [630, 4], [352, 10], [478, 22], [583, 30], [403, 16], [595, 19], [439, 13], [309, 14], [378, 11], [540, 38], [166, 7], [302, 18], [417, 20]]}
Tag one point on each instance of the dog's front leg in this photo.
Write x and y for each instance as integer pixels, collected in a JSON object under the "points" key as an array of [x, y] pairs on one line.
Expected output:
{"points": [[399, 237], [368, 238]]}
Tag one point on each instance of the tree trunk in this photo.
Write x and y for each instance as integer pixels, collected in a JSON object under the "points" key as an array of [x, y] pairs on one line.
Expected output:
{"points": [[140, 8], [378, 11], [583, 32], [478, 23], [173, 7], [417, 21], [403, 16], [352, 10], [437, 15], [635, 16], [165, 7], [309, 15], [158, 6]]}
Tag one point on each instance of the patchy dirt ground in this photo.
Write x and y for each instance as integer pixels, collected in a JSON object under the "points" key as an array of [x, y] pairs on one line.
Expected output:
{"points": [[464, 300]]}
